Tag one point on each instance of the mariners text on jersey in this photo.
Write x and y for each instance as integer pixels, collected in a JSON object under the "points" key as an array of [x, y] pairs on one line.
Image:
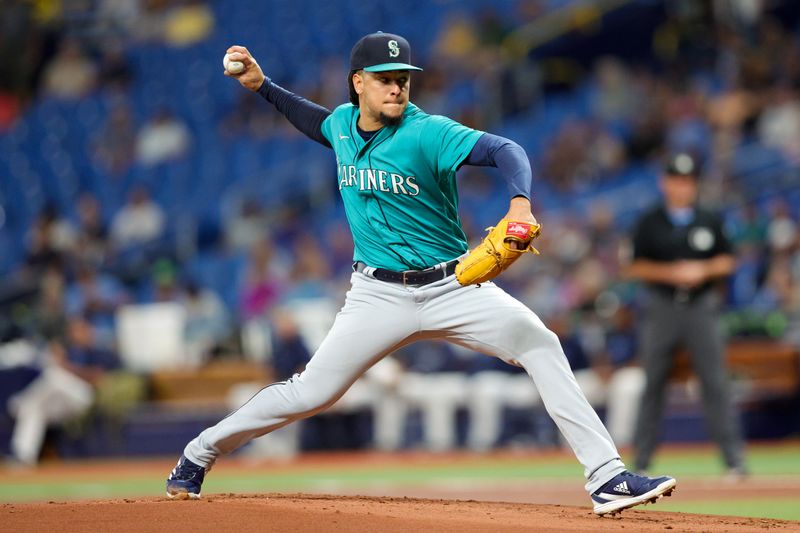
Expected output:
{"points": [[399, 187], [370, 179]]}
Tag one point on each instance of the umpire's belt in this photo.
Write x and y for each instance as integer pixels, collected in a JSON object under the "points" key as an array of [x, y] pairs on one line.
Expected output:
{"points": [[409, 277]]}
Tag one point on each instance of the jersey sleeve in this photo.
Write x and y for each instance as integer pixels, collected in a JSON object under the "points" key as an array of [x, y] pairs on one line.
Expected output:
{"points": [[339, 116], [446, 143], [325, 127]]}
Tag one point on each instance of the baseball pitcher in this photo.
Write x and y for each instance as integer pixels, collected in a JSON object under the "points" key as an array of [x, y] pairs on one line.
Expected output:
{"points": [[414, 277]]}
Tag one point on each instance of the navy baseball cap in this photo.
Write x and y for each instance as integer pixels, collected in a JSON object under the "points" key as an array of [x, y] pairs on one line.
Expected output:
{"points": [[683, 164], [379, 52]]}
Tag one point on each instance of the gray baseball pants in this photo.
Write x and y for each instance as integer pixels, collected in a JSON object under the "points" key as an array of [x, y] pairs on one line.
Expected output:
{"points": [[668, 325], [377, 319]]}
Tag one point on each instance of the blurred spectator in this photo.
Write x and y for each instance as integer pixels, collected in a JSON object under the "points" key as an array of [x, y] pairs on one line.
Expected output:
{"points": [[457, 43], [95, 296], [150, 20], [19, 54], [311, 270], [647, 128], [728, 113], [70, 73], [163, 283], [92, 241], [119, 17], [605, 239], [307, 296], [115, 68], [617, 98], [50, 240], [139, 222], [207, 322], [782, 231], [262, 281], [686, 128], [750, 227], [289, 351], [114, 147], [748, 276], [163, 138], [189, 23], [260, 287], [247, 226], [779, 123], [20, 362], [778, 292], [64, 389], [50, 314]]}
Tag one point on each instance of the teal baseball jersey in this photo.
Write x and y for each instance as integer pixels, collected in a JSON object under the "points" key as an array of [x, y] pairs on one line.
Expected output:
{"points": [[399, 189]]}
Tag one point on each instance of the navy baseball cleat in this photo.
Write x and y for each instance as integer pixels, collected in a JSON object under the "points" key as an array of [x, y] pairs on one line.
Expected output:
{"points": [[626, 490], [185, 480]]}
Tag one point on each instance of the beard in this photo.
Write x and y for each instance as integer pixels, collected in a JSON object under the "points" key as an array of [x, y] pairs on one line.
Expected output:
{"points": [[386, 120]]}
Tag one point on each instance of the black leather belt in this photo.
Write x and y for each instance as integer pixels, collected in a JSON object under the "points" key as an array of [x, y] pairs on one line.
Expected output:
{"points": [[410, 277]]}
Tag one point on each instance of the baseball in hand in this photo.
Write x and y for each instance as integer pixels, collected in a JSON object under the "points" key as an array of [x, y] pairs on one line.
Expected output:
{"points": [[233, 67]]}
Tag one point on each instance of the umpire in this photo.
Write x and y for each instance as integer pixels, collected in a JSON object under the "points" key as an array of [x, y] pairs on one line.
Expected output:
{"points": [[680, 252]]}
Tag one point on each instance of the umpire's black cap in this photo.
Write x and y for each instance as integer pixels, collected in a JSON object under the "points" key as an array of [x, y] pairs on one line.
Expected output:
{"points": [[682, 164], [379, 52]]}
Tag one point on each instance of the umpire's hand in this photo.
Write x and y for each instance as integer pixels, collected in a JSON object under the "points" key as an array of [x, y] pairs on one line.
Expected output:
{"points": [[251, 77]]}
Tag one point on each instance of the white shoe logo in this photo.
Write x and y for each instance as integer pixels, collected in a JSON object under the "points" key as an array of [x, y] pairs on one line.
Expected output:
{"points": [[622, 487], [343, 137]]}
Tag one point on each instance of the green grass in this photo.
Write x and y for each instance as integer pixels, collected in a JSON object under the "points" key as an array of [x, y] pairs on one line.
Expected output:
{"points": [[764, 461], [783, 508]]}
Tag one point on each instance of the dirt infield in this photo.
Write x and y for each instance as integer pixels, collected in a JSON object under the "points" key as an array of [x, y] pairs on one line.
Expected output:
{"points": [[443, 503], [301, 513]]}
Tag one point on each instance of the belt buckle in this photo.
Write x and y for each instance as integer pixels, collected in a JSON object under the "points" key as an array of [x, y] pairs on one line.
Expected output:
{"points": [[681, 296], [405, 281]]}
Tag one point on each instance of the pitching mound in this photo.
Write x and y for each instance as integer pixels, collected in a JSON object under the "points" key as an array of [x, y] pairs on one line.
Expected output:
{"points": [[300, 513]]}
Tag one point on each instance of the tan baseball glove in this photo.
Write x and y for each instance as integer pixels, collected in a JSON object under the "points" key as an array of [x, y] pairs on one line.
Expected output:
{"points": [[496, 252]]}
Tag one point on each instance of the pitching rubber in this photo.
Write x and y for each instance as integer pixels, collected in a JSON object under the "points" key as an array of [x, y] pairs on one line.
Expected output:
{"points": [[616, 506]]}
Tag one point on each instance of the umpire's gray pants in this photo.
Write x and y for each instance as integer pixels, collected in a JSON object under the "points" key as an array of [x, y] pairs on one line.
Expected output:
{"points": [[666, 326]]}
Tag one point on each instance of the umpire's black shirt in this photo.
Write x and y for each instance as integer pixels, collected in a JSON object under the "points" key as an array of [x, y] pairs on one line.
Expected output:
{"points": [[657, 238]]}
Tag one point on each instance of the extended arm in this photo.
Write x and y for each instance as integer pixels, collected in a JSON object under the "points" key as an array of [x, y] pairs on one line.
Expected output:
{"points": [[512, 162], [304, 115], [508, 157]]}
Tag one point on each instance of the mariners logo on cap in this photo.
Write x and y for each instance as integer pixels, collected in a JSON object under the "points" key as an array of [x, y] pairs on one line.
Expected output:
{"points": [[379, 52]]}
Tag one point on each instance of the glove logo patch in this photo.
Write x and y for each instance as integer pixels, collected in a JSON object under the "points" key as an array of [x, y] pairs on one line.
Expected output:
{"points": [[518, 229]]}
